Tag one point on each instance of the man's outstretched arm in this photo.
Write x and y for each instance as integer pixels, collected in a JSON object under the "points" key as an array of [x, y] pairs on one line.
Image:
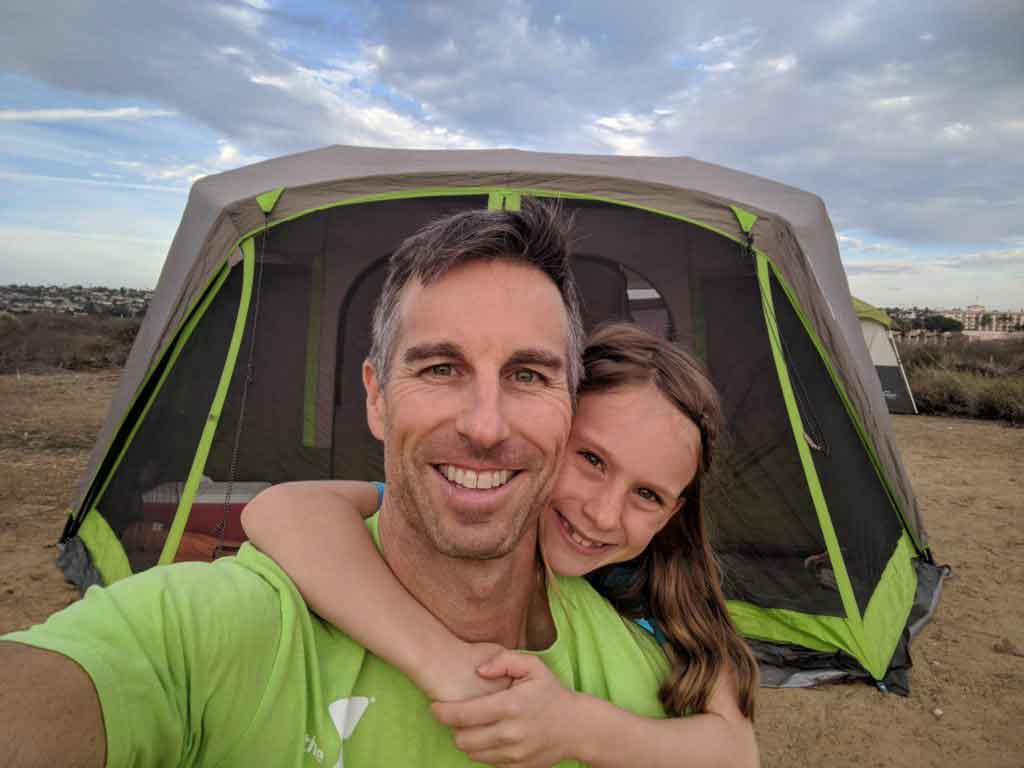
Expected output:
{"points": [[49, 710]]}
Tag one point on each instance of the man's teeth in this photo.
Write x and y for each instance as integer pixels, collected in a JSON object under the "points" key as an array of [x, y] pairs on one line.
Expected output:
{"points": [[469, 478], [582, 540]]}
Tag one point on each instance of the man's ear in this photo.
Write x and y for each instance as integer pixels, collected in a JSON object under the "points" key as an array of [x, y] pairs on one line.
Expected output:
{"points": [[375, 405]]}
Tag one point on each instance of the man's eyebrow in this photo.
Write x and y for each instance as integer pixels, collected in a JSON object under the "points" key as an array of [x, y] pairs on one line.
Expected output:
{"points": [[540, 358], [432, 351]]}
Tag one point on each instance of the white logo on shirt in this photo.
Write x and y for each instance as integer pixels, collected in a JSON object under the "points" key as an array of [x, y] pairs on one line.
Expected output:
{"points": [[346, 713]]}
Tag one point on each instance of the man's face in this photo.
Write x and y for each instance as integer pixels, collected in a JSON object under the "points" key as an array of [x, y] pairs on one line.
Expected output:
{"points": [[476, 410]]}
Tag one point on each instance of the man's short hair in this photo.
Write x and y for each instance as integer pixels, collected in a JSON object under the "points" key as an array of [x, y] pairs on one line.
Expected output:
{"points": [[538, 235]]}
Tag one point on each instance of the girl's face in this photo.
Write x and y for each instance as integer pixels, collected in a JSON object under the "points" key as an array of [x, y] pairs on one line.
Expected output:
{"points": [[630, 455]]}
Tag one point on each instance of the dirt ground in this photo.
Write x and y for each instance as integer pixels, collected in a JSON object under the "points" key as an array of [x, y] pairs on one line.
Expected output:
{"points": [[966, 706]]}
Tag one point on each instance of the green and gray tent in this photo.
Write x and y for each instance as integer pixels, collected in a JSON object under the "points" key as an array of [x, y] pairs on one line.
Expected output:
{"points": [[246, 372], [875, 324]]}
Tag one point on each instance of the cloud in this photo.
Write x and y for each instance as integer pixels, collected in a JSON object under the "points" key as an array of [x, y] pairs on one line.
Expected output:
{"points": [[722, 66], [893, 103], [904, 117], [1008, 259], [92, 182], [881, 268], [70, 114], [957, 132], [780, 65]]}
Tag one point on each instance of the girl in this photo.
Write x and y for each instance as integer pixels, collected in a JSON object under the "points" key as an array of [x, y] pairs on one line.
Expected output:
{"points": [[625, 509]]}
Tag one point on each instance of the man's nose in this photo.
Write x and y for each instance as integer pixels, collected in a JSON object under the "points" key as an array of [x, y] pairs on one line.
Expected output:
{"points": [[483, 420]]}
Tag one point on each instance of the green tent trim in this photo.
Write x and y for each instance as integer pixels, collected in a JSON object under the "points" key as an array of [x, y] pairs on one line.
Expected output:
{"points": [[316, 290], [867, 311], [195, 474], [870, 638], [104, 548]]}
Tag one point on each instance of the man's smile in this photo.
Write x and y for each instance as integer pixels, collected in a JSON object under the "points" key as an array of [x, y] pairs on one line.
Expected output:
{"points": [[476, 479]]}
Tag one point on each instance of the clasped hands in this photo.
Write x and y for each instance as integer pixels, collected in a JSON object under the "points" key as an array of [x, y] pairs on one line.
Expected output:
{"points": [[505, 708]]}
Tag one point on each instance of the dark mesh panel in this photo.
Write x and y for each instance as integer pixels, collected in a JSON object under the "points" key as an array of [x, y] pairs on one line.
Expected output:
{"points": [[270, 449], [865, 522], [358, 455], [337, 255], [691, 284], [143, 493]]}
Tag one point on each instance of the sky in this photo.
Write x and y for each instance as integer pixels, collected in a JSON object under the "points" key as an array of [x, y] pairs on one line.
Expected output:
{"points": [[906, 118]]}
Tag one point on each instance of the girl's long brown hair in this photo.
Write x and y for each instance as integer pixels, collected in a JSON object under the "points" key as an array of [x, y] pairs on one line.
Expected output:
{"points": [[676, 580]]}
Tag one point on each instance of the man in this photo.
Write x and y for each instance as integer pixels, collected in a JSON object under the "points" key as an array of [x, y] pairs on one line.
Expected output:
{"points": [[475, 360]]}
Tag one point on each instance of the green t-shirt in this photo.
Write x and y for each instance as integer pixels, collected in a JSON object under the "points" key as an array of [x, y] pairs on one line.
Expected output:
{"points": [[224, 665]]}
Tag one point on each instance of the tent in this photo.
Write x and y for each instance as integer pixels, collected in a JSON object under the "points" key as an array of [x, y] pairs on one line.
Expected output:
{"points": [[246, 372], [876, 325]]}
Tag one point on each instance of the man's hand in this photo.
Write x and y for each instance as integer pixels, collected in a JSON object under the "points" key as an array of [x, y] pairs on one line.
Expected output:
{"points": [[527, 726]]}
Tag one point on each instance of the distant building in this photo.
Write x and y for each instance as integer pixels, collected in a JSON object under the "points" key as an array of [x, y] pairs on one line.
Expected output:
{"points": [[975, 317]]}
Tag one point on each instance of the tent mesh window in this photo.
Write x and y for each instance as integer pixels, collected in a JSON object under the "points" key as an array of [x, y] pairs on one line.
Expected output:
{"points": [[143, 494], [701, 289], [304, 414], [865, 522]]}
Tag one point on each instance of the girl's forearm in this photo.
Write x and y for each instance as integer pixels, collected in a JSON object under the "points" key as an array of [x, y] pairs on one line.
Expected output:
{"points": [[606, 736], [317, 535]]}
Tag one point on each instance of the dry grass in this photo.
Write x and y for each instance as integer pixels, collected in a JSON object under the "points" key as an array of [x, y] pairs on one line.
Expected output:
{"points": [[43, 342], [982, 380]]}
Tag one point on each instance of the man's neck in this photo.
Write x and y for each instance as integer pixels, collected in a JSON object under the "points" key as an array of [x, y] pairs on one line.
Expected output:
{"points": [[501, 600]]}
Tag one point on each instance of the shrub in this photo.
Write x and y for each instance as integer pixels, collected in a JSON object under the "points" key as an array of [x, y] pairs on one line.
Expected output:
{"points": [[962, 393], [938, 390], [43, 341], [1000, 399]]}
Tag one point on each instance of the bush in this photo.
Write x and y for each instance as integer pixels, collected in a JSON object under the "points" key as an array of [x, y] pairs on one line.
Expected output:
{"points": [[1001, 399], [988, 358], [38, 342], [962, 393], [937, 390]]}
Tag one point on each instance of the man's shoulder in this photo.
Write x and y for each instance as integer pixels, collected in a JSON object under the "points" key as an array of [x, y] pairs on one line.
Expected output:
{"points": [[600, 652]]}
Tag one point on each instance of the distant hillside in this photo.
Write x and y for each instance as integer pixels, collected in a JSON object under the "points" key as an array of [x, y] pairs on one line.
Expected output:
{"points": [[43, 341], [74, 300]]}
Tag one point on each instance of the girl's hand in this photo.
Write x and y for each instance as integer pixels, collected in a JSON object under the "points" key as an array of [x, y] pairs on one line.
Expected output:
{"points": [[452, 675], [527, 726]]}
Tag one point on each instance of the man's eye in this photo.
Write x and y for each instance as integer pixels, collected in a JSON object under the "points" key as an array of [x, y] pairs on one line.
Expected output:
{"points": [[592, 459], [442, 370], [526, 376]]}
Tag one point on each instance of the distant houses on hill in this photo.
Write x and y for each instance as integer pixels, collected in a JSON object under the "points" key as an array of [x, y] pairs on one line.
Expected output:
{"points": [[74, 300], [976, 323]]}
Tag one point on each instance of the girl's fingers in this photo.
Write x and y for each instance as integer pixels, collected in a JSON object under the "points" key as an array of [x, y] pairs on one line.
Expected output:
{"points": [[493, 738], [473, 713], [510, 664]]}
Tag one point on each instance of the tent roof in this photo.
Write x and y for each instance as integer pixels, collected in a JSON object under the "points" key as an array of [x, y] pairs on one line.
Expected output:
{"points": [[793, 224], [867, 311]]}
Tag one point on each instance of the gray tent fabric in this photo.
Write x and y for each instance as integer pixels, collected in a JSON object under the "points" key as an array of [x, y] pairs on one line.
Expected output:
{"points": [[222, 208], [743, 270]]}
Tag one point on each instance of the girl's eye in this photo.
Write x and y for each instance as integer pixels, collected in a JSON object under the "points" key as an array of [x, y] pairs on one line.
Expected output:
{"points": [[648, 495], [592, 459]]}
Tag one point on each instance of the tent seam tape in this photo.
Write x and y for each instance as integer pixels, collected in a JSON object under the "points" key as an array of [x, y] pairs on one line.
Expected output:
{"points": [[213, 417], [810, 472], [167, 350], [848, 405], [174, 352]]}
